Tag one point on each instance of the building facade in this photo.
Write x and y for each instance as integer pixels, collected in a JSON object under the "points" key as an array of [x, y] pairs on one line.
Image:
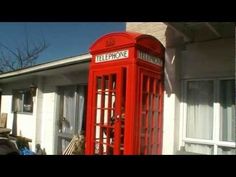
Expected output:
{"points": [[56, 112], [199, 94], [199, 102]]}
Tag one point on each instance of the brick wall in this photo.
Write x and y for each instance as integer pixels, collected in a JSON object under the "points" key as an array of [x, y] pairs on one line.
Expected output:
{"points": [[157, 29]]}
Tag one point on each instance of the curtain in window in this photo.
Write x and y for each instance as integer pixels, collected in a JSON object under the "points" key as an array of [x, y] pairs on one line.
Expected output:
{"points": [[69, 110], [18, 102], [200, 109], [199, 115], [81, 100], [227, 118]]}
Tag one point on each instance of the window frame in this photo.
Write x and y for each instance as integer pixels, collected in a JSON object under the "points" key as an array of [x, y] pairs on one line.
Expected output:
{"points": [[17, 91], [215, 142]]}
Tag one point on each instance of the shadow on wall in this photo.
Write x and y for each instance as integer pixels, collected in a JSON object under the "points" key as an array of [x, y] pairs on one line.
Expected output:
{"points": [[169, 71], [170, 60], [172, 80]]}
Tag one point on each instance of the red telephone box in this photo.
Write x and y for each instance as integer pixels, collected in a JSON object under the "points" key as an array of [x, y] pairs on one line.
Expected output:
{"points": [[125, 95]]}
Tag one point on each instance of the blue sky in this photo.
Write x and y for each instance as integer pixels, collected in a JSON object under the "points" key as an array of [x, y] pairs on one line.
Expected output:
{"points": [[64, 39]]}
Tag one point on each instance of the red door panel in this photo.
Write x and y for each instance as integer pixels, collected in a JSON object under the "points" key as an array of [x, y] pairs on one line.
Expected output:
{"points": [[150, 123], [107, 119]]}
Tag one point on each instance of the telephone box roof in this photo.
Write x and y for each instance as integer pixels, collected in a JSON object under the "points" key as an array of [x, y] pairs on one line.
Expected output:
{"points": [[117, 40]]}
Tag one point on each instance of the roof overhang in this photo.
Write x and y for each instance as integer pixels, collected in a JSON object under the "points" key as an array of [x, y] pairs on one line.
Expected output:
{"points": [[192, 32], [66, 65]]}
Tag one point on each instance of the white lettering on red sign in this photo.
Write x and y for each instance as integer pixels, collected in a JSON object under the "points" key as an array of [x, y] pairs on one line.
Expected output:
{"points": [[149, 58], [112, 56]]}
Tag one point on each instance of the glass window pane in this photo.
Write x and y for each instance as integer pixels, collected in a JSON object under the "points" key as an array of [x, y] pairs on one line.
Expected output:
{"points": [[200, 109], [106, 99], [106, 81], [81, 107], [145, 80], [28, 102], [17, 102], [98, 116], [227, 116], [97, 132], [113, 78], [99, 83], [99, 98]]}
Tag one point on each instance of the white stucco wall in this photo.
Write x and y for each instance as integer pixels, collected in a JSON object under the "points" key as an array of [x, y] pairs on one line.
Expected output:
{"points": [[6, 108], [171, 119], [209, 59], [26, 126], [47, 122], [25, 122], [66, 79], [168, 124], [38, 111]]}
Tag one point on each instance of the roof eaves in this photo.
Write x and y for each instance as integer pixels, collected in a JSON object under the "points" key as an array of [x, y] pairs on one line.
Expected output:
{"points": [[49, 65]]}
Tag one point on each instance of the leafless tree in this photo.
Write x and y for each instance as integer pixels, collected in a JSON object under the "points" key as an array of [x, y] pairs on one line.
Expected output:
{"points": [[20, 57]]}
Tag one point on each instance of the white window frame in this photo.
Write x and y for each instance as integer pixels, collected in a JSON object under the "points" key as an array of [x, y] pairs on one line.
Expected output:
{"points": [[215, 142]]}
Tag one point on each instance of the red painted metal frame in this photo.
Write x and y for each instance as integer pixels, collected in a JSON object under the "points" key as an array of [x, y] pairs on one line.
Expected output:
{"points": [[135, 68]]}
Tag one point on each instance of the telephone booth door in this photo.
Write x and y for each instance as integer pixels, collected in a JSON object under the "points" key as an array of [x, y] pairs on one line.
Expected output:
{"points": [[108, 112], [150, 115]]}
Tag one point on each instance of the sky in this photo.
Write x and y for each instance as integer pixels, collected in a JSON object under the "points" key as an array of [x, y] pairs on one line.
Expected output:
{"points": [[63, 39]]}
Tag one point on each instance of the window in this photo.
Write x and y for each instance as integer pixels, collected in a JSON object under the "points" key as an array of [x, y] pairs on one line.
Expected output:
{"points": [[71, 117], [22, 101], [200, 109], [210, 116]]}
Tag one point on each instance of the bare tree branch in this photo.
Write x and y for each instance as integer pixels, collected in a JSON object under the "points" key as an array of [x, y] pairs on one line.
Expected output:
{"points": [[8, 49], [20, 57]]}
